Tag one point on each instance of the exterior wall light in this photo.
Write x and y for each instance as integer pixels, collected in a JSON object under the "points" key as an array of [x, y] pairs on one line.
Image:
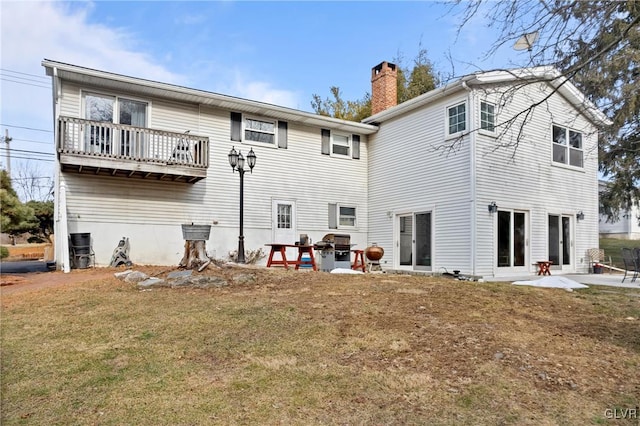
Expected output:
{"points": [[580, 215], [493, 207]]}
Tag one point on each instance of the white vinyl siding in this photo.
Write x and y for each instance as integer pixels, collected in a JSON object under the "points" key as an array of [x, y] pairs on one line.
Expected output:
{"points": [[434, 183], [150, 212], [522, 178]]}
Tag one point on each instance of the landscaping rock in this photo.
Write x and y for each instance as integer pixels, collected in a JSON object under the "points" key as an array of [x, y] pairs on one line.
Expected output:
{"points": [[122, 275], [245, 279], [198, 282], [179, 274], [152, 282], [136, 277]]}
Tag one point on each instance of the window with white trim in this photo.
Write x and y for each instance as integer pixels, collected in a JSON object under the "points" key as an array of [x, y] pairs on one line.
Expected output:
{"points": [[567, 147], [347, 216], [487, 116], [114, 109], [457, 119], [341, 145], [260, 130], [342, 216]]}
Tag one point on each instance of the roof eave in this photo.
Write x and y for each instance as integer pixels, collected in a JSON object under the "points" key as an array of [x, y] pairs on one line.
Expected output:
{"points": [[201, 97]]}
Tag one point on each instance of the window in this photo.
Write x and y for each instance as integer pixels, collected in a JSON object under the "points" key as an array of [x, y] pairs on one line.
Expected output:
{"points": [[284, 216], [113, 109], [457, 119], [340, 145], [567, 147], [342, 216], [347, 216], [256, 130], [487, 116]]}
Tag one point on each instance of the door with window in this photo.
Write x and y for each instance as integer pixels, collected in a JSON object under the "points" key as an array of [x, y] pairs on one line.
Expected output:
{"points": [[110, 109], [560, 242], [284, 225], [414, 241], [512, 241], [98, 138]]}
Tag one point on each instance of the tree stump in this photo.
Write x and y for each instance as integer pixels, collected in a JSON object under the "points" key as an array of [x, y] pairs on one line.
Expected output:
{"points": [[195, 255]]}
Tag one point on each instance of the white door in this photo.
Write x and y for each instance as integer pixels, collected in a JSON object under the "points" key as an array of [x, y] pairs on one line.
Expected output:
{"points": [[413, 243], [512, 241], [284, 225], [561, 242]]}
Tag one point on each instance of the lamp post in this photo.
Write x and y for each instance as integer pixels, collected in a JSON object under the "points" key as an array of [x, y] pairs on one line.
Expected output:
{"points": [[236, 160]]}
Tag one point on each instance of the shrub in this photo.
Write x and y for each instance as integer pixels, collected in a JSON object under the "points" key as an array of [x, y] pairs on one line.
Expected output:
{"points": [[4, 252]]}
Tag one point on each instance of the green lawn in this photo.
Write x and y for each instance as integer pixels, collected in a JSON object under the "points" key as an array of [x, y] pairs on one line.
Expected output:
{"points": [[613, 247]]}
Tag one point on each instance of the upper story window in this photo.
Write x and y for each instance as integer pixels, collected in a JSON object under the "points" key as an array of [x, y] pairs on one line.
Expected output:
{"points": [[487, 116], [259, 130], [457, 119], [339, 144], [114, 109], [567, 147]]}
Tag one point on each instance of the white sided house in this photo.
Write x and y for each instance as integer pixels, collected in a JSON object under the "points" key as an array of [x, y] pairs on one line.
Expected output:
{"points": [[626, 225], [138, 158]]}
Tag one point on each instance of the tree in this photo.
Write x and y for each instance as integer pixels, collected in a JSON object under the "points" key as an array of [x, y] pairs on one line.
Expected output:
{"points": [[421, 76], [43, 212], [339, 108], [31, 183], [412, 82], [15, 217], [596, 45]]}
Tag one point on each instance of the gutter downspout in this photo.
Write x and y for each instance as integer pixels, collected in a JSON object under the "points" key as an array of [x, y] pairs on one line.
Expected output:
{"points": [[472, 174], [60, 197]]}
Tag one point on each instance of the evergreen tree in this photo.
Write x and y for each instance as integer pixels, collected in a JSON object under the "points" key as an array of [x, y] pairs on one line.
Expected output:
{"points": [[15, 217], [421, 79]]}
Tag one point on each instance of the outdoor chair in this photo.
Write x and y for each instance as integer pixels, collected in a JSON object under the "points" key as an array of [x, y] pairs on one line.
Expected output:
{"points": [[631, 258], [597, 256]]}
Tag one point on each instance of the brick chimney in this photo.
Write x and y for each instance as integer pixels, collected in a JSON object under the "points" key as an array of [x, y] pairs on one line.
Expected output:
{"points": [[384, 92]]}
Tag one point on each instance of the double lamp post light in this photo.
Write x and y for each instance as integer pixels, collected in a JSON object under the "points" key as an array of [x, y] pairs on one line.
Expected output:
{"points": [[236, 160]]}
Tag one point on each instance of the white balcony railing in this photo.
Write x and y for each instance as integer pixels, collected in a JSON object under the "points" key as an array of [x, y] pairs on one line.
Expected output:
{"points": [[120, 142]]}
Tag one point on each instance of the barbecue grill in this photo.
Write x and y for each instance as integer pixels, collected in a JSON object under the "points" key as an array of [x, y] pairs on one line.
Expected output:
{"points": [[335, 251]]}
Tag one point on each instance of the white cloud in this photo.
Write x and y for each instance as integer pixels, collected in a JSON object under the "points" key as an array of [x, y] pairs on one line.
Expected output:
{"points": [[264, 92]]}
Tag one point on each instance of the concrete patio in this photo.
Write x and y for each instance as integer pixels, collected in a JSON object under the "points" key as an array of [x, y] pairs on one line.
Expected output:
{"points": [[613, 280]]}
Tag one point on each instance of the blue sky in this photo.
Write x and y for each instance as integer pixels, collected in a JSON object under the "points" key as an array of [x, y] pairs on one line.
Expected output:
{"points": [[276, 52]]}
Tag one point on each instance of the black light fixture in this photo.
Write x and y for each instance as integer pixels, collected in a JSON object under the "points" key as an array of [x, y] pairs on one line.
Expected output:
{"points": [[236, 161], [492, 207], [580, 215]]}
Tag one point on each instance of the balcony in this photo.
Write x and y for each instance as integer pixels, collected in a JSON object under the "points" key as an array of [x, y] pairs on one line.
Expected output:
{"points": [[104, 148]]}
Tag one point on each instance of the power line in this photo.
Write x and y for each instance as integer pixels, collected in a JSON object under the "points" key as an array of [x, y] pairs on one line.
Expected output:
{"points": [[24, 73], [34, 159], [29, 178], [27, 151], [26, 128], [32, 141], [22, 82]]}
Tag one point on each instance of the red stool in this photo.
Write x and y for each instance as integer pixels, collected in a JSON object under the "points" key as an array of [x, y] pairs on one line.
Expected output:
{"points": [[359, 261]]}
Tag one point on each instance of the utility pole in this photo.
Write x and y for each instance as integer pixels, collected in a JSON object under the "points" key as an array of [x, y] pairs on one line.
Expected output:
{"points": [[7, 139]]}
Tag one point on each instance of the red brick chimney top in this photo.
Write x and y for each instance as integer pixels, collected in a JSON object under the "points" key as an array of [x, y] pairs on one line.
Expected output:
{"points": [[384, 92]]}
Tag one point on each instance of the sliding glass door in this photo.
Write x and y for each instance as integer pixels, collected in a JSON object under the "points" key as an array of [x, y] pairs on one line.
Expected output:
{"points": [[414, 243], [512, 240]]}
